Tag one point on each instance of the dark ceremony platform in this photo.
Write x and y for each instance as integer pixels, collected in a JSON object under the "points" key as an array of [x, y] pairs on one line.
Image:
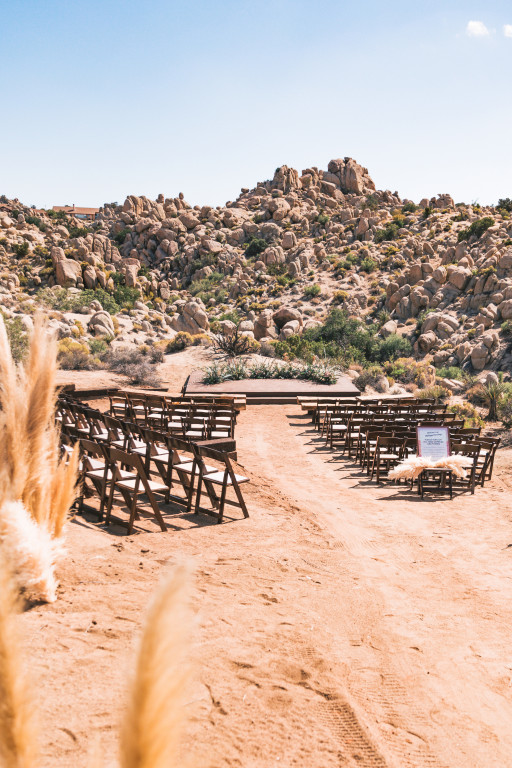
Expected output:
{"points": [[270, 391]]}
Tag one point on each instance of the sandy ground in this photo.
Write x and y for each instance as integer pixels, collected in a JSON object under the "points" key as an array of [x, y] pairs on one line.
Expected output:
{"points": [[342, 624]]}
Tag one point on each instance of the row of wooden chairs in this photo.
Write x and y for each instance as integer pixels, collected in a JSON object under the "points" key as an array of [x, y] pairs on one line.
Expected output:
{"points": [[380, 436], [213, 420], [196, 424], [149, 465]]}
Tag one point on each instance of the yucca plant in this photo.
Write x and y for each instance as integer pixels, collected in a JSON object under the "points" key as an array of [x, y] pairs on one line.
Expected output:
{"points": [[492, 393]]}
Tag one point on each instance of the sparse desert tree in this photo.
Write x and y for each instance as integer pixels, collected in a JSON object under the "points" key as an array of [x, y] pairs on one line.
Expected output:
{"points": [[37, 485], [234, 343]]}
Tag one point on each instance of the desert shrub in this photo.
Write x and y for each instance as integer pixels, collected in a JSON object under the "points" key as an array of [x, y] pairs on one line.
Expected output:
{"points": [[505, 408], [451, 372], [61, 300], [76, 356], [393, 347], [344, 338], [322, 219], [339, 297], [312, 290], [389, 232], [369, 376], [181, 341], [208, 288], [136, 364], [369, 265], [409, 207], [427, 211], [505, 203], [372, 202], [99, 346], [121, 236], [233, 316], [78, 231], [255, 246], [21, 249], [125, 296], [17, 337], [406, 370], [439, 393], [477, 228], [467, 412], [36, 221], [235, 343], [506, 328]]}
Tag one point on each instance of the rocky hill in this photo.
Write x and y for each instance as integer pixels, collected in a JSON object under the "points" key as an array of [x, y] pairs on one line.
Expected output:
{"points": [[278, 258]]}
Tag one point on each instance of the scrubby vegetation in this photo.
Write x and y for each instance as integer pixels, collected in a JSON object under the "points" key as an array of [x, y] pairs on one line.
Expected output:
{"points": [[234, 371], [477, 228], [345, 339]]}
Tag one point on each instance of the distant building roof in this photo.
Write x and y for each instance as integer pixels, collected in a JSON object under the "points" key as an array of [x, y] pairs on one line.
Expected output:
{"points": [[76, 209]]}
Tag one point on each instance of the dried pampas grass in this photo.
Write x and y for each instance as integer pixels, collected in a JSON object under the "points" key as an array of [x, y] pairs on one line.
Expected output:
{"points": [[411, 468], [152, 727], [37, 486], [18, 733]]}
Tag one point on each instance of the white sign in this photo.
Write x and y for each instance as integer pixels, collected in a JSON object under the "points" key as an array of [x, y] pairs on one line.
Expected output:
{"points": [[433, 442]]}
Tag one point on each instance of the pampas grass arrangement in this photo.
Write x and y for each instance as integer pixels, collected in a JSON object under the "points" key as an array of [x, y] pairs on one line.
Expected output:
{"points": [[152, 727], [153, 722], [18, 733], [37, 485]]}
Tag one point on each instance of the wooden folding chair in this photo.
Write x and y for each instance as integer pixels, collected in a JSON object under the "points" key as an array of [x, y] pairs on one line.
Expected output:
{"points": [[471, 451], [223, 478], [132, 488], [387, 456]]}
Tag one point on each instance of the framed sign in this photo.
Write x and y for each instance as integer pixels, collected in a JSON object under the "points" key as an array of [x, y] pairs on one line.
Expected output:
{"points": [[433, 442]]}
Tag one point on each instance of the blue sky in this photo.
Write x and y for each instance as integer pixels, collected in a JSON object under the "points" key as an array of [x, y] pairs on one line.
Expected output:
{"points": [[104, 98]]}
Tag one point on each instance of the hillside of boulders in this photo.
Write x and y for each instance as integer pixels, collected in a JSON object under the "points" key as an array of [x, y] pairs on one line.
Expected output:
{"points": [[275, 262]]}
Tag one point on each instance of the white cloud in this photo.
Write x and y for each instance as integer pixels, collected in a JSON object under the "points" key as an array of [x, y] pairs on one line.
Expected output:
{"points": [[507, 30], [476, 29]]}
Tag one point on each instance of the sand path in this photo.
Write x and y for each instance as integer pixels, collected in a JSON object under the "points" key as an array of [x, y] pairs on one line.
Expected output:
{"points": [[341, 625]]}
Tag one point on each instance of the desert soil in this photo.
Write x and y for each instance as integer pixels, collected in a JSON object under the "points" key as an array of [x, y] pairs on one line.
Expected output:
{"points": [[342, 624]]}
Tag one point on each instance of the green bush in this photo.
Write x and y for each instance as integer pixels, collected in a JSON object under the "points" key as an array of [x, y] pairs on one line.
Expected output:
{"points": [[506, 328], [477, 228], [125, 296], [39, 223], [181, 341], [18, 338], [389, 232], [312, 290], [21, 249], [369, 265], [62, 301], [121, 236], [505, 203], [409, 207], [437, 392], [452, 372], [369, 376], [255, 246], [505, 408], [78, 231], [468, 412]]}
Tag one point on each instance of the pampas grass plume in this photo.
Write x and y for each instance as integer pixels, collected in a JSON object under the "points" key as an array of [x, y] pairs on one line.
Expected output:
{"points": [[18, 738], [152, 728]]}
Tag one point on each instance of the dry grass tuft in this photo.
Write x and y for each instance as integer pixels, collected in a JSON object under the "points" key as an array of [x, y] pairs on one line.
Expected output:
{"points": [[152, 727], [18, 733], [36, 485]]}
